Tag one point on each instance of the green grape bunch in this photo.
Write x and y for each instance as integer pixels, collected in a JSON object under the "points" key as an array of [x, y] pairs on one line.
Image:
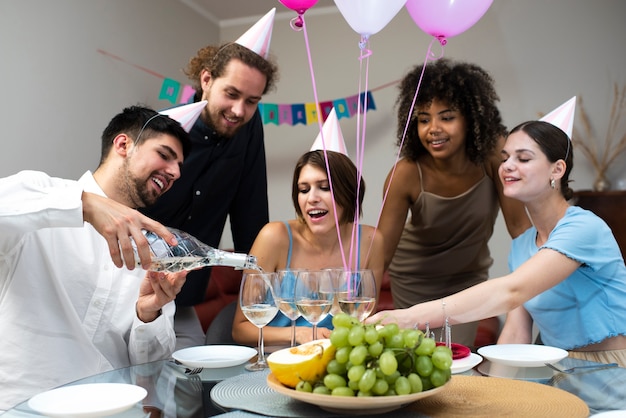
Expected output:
{"points": [[374, 360]]}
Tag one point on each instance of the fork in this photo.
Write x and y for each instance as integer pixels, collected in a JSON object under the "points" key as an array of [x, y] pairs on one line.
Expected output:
{"points": [[194, 371], [573, 369], [193, 375]]}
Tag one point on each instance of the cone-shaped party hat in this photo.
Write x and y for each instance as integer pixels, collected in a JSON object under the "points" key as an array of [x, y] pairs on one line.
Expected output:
{"points": [[187, 114], [563, 116], [333, 138], [259, 36]]}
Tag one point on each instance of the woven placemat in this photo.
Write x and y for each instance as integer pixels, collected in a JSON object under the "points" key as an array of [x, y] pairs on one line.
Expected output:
{"points": [[250, 393], [480, 396]]}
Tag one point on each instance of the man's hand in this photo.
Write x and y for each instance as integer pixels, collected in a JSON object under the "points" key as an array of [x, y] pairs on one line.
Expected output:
{"points": [[157, 290], [117, 223]]}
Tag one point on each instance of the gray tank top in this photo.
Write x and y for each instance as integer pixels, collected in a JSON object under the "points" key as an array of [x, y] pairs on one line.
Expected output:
{"points": [[443, 248]]}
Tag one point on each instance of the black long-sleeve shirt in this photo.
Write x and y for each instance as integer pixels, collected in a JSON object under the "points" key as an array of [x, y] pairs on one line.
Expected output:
{"points": [[220, 177]]}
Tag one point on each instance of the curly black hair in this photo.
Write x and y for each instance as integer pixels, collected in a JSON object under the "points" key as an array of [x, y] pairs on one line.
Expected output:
{"points": [[462, 86]]}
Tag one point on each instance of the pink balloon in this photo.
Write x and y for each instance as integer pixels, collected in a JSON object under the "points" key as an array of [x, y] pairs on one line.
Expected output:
{"points": [[299, 6], [446, 18]]}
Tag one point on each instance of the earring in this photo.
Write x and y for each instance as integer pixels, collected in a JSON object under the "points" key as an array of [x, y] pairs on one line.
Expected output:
{"points": [[552, 183]]}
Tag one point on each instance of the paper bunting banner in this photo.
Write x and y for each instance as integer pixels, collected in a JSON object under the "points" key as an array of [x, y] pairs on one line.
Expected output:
{"points": [[187, 94], [279, 114], [284, 114], [306, 113], [170, 89]]}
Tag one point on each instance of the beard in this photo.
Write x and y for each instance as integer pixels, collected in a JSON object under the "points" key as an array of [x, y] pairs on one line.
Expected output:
{"points": [[213, 117], [212, 120], [136, 190]]}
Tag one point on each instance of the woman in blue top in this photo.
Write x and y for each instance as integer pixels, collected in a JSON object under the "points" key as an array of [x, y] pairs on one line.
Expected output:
{"points": [[568, 275], [311, 241]]}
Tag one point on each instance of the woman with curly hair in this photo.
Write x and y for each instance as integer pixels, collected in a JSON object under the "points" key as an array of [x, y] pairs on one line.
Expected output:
{"points": [[448, 179]]}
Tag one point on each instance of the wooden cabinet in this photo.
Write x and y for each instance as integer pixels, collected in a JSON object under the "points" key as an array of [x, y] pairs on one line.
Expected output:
{"points": [[610, 206]]}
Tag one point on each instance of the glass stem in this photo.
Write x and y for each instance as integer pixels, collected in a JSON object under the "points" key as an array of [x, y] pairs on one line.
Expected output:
{"points": [[261, 347], [314, 331], [293, 332]]}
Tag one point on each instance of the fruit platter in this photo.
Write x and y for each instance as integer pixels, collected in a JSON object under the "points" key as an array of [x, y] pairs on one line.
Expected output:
{"points": [[362, 369]]}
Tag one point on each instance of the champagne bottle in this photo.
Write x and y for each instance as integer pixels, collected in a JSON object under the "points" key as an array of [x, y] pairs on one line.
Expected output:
{"points": [[191, 253]]}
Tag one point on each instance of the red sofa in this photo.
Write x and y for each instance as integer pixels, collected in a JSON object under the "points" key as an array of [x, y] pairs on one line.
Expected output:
{"points": [[223, 288]]}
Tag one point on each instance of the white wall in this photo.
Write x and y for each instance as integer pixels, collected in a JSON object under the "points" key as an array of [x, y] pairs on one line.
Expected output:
{"points": [[59, 92]]}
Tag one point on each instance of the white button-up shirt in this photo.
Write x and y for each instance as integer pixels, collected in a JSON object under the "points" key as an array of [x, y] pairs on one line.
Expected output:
{"points": [[66, 311]]}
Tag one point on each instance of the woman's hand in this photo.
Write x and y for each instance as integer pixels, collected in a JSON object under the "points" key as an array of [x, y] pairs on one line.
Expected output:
{"points": [[305, 334], [403, 317]]}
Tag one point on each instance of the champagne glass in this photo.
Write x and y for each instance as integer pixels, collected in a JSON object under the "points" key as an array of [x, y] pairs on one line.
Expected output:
{"points": [[314, 296], [284, 286], [256, 299], [359, 297]]}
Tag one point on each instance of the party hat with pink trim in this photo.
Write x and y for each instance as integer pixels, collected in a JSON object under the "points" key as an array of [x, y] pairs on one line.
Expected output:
{"points": [[563, 116], [259, 36], [333, 138], [187, 114]]}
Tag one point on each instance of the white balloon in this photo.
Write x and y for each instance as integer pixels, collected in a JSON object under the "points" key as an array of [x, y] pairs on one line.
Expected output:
{"points": [[367, 17]]}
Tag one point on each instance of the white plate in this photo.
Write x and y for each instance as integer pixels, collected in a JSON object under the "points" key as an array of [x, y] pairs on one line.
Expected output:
{"points": [[488, 368], [88, 400], [214, 356], [353, 405], [613, 414], [522, 355], [466, 363]]}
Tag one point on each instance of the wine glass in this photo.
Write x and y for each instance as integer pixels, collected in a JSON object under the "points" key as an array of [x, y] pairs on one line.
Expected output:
{"points": [[284, 286], [314, 296], [338, 287], [256, 299], [357, 296]]}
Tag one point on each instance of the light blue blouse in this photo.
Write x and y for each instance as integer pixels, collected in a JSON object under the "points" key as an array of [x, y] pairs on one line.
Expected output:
{"points": [[590, 305]]}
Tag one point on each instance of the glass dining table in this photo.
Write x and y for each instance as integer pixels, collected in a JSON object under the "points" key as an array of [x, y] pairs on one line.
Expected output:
{"points": [[172, 393]]}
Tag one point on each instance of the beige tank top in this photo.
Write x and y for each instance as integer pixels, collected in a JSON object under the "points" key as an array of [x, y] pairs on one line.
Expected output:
{"points": [[443, 248]]}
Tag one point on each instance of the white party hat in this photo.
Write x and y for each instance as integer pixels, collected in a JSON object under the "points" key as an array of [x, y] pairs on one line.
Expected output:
{"points": [[563, 116], [187, 114], [259, 36], [333, 138]]}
